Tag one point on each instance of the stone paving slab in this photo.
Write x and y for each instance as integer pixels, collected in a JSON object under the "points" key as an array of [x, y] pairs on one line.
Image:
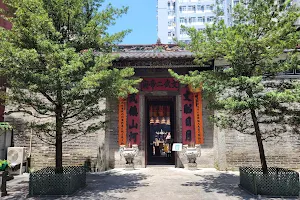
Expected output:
{"points": [[154, 183]]}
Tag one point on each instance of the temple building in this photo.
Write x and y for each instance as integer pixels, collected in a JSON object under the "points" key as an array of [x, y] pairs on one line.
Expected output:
{"points": [[164, 112]]}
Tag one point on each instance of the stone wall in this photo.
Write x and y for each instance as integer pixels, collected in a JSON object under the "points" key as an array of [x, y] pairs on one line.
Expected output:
{"points": [[242, 150], [75, 152], [229, 149], [234, 149]]}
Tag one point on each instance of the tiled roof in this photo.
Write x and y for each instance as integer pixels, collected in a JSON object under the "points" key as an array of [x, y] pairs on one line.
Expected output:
{"points": [[158, 55], [155, 51]]}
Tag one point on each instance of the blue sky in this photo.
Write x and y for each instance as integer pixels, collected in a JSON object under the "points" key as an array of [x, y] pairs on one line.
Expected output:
{"points": [[141, 18]]}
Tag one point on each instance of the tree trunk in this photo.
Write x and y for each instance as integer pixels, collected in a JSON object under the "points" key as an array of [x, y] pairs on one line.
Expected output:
{"points": [[58, 144], [259, 142], [59, 123]]}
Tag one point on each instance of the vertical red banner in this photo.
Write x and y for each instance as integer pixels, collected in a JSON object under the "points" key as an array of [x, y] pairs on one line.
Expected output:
{"points": [[187, 107], [122, 121], [199, 137], [133, 119]]}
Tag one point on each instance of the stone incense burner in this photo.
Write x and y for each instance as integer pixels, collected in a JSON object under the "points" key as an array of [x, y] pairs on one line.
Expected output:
{"points": [[192, 153], [129, 153]]}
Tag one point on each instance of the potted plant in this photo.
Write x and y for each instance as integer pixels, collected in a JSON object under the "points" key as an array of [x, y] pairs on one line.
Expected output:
{"points": [[4, 176], [3, 165], [129, 151], [192, 151]]}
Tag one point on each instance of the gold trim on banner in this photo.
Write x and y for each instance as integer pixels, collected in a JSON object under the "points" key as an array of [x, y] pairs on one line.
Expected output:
{"points": [[122, 124]]}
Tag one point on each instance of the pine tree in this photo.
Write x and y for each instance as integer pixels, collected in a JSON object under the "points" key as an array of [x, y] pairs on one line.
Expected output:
{"points": [[246, 93], [57, 60]]}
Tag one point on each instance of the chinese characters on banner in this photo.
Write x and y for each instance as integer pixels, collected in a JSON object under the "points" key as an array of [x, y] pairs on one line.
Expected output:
{"points": [[187, 107], [122, 121], [133, 119], [159, 84], [198, 118]]}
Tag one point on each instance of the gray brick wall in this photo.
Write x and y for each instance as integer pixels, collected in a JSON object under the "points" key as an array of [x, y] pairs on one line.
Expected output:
{"points": [[223, 149], [241, 150], [75, 152]]}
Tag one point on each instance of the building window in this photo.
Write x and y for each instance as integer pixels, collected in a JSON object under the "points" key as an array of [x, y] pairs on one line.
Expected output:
{"points": [[171, 13], [182, 32], [292, 72], [182, 20], [200, 8], [192, 20], [200, 19], [235, 2], [169, 34], [208, 7], [182, 8], [191, 8], [210, 19], [170, 23]]}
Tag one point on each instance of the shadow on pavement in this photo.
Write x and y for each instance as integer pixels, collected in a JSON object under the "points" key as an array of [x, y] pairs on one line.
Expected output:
{"points": [[221, 184], [111, 182], [102, 186], [16, 191]]}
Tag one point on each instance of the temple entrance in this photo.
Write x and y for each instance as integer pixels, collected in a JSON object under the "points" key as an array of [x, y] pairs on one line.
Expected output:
{"points": [[160, 112]]}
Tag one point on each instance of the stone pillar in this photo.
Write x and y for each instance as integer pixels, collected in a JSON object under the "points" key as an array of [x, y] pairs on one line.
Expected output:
{"points": [[180, 158], [3, 179], [220, 149], [143, 145]]}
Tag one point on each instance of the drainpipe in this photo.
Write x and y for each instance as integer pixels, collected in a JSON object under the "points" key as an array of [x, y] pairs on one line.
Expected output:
{"points": [[28, 163]]}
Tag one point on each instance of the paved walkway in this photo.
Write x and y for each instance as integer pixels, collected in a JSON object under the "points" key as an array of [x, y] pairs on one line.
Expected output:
{"points": [[149, 184]]}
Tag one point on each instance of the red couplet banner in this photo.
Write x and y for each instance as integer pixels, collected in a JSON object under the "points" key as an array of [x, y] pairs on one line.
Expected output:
{"points": [[198, 118], [122, 121], [133, 119], [187, 107], [159, 84]]}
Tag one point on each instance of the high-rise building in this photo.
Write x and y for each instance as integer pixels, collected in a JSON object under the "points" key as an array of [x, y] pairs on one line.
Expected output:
{"points": [[171, 14]]}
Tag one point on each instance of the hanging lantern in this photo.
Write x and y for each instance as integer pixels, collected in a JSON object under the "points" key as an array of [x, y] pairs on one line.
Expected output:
{"points": [[152, 120], [157, 120], [161, 111], [168, 121], [163, 121], [168, 111], [154, 111], [150, 111]]}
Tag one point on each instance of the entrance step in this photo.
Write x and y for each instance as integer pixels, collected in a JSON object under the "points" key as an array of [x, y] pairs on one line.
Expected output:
{"points": [[160, 166]]}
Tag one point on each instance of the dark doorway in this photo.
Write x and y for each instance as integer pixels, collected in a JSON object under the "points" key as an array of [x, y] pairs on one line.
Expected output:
{"points": [[160, 121]]}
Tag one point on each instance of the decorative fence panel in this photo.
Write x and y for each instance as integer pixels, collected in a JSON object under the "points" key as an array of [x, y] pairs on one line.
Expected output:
{"points": [[277, 182], [47, 182]]}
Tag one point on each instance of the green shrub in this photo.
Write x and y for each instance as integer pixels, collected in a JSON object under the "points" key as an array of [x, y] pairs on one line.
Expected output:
{"points": [[3, 165]]}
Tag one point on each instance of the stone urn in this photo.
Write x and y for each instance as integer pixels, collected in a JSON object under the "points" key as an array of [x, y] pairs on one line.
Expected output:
{"points": [[192, 153], [129, 154]]}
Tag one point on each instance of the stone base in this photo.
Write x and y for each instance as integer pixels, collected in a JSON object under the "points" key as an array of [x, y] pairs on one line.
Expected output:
{"points": [[192, 166], [129, 166]]}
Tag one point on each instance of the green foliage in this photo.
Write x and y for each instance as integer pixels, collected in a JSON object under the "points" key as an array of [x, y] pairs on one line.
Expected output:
{"points": [[57, 59], [245, 90], [3, 165]]}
